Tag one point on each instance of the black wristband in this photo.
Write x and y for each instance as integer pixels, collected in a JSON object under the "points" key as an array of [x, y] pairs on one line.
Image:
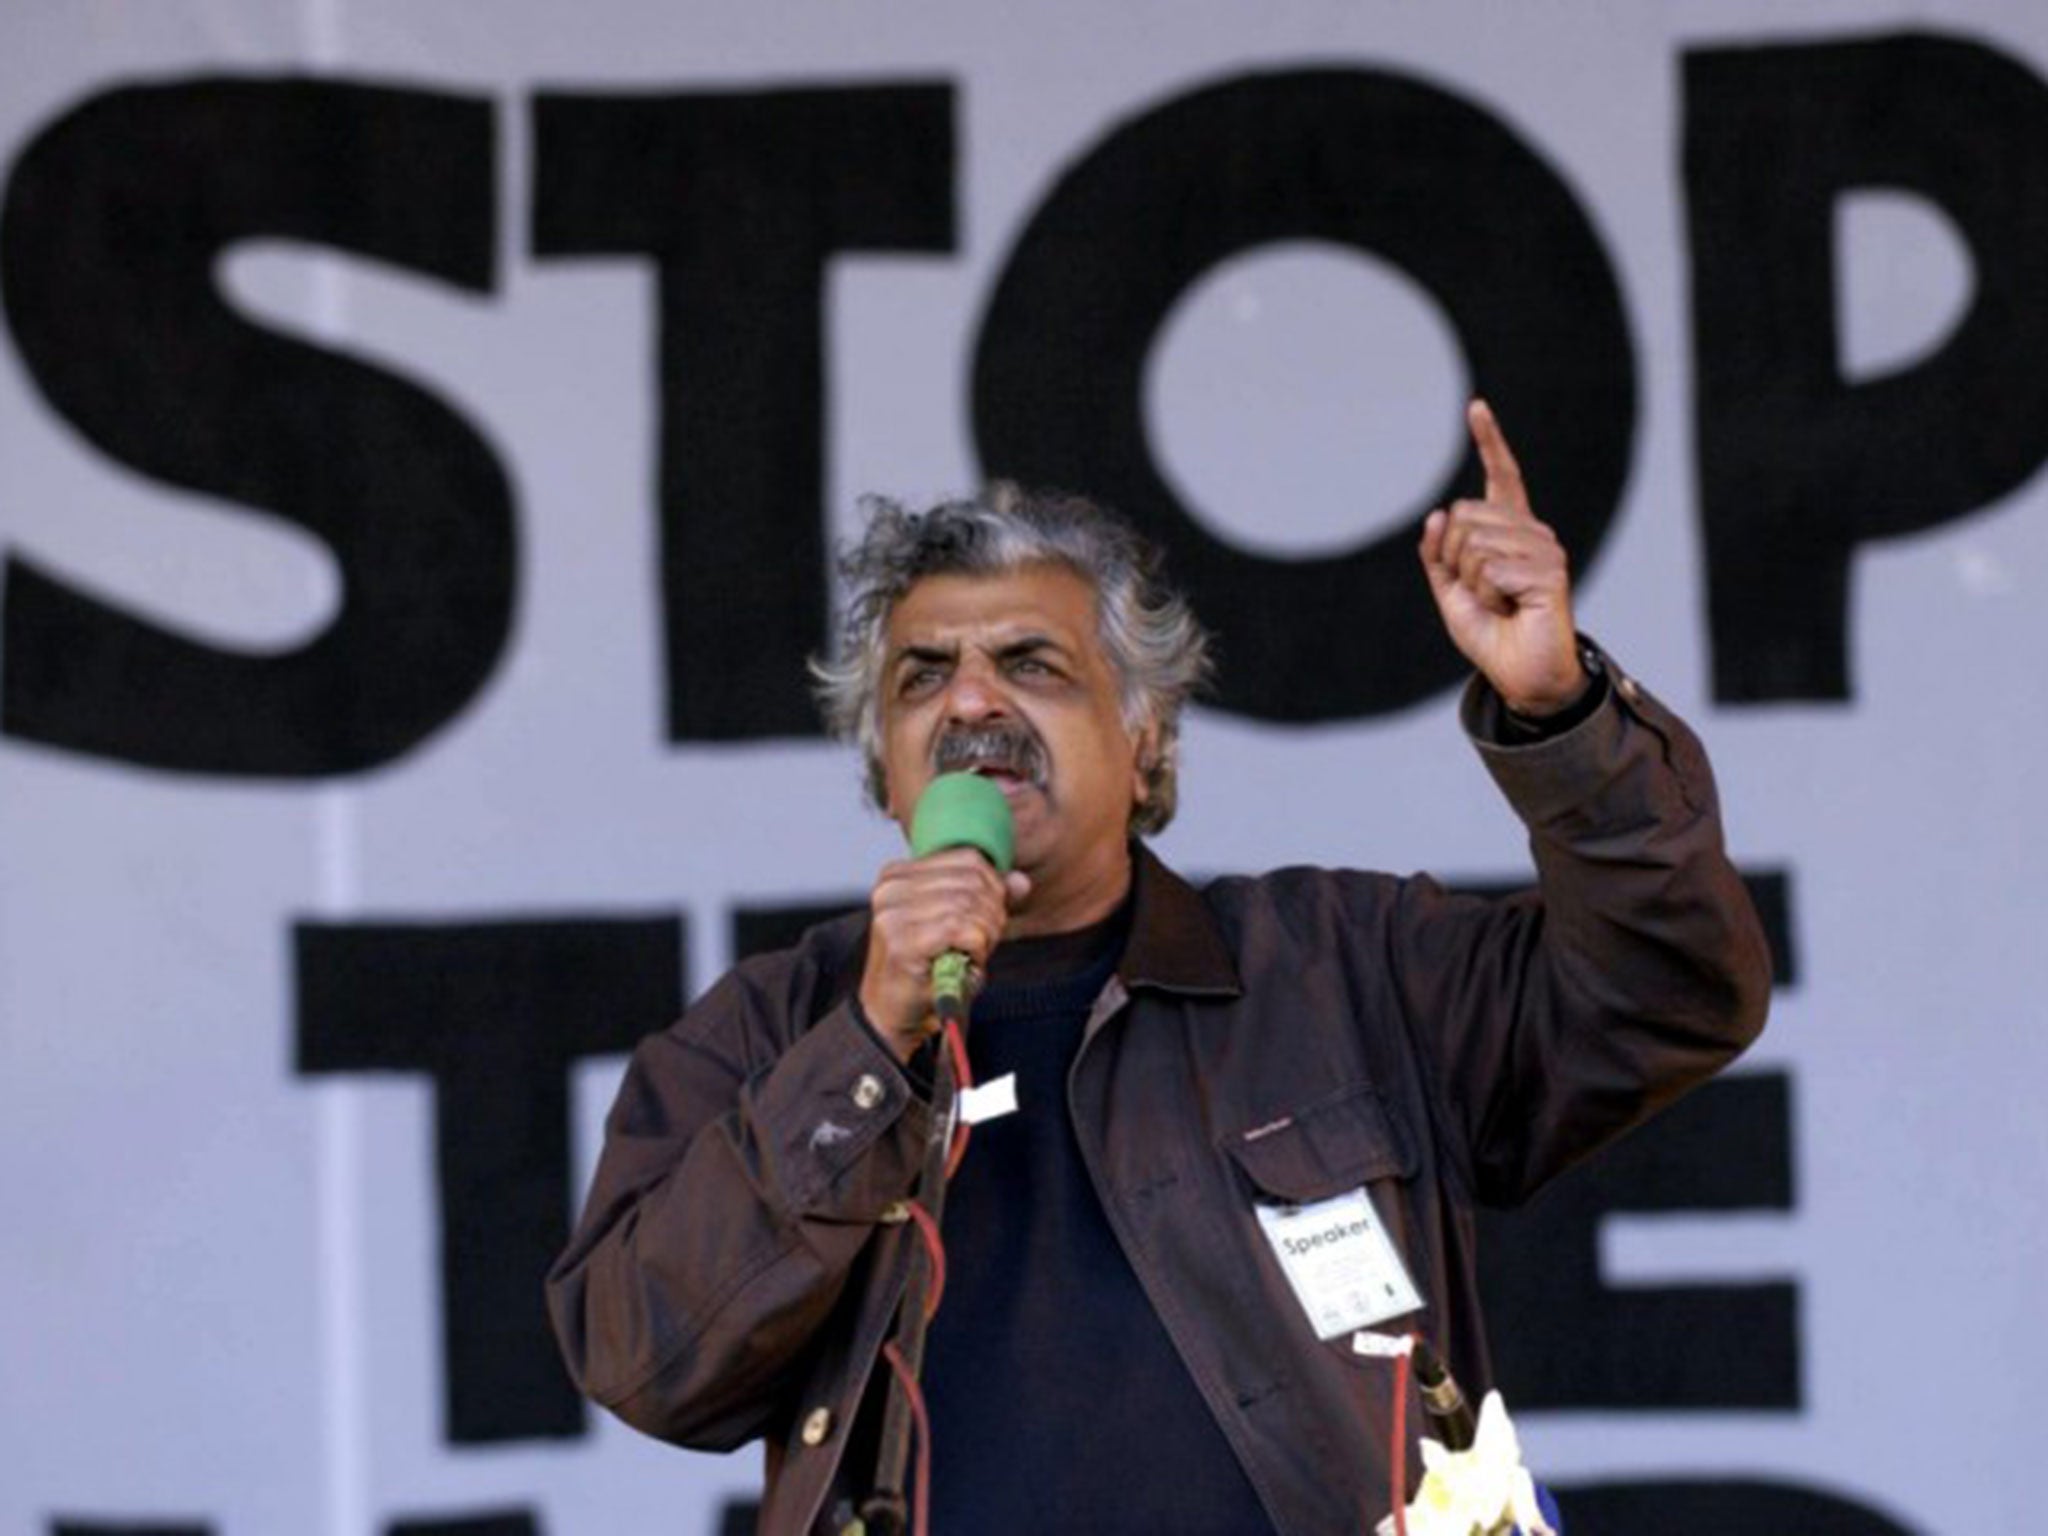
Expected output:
{"points": [[1526, 730]]}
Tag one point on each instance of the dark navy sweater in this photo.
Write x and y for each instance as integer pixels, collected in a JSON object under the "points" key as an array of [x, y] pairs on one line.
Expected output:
{"points": [[1058, 1403]]}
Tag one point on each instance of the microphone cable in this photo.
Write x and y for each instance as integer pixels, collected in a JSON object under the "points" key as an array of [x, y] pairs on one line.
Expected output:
{"points": [[906, 1412], [1443, 1404]]}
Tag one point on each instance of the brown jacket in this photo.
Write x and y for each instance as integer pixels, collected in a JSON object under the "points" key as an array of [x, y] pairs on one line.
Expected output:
{"points": [[735, 1270]]}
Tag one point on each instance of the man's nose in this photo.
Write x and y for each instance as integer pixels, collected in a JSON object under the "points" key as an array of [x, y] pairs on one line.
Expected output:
{"points": [[976, 694]]}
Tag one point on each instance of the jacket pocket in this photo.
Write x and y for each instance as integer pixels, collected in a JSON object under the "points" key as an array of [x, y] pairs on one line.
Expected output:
{"points": [[1351, 1141], [1337, 1143]]}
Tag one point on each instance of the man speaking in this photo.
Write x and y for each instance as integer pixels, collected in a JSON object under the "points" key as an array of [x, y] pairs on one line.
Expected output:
{"points": [[1230, 1128]]}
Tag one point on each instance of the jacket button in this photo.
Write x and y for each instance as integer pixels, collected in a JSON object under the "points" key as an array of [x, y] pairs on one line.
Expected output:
{"points": [[895, 1213], [817, 1425], [868, 1092]]}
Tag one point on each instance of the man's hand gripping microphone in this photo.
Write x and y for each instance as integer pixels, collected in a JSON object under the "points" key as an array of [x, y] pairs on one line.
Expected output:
{"points": [[961, 810]]}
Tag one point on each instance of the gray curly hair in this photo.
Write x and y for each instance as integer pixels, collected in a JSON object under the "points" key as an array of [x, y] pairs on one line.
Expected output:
{"points": [[1160, 653]]}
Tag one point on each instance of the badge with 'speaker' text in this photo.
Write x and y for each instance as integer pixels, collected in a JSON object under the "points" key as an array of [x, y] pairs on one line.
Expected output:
{"points": [[1340, 1261]]}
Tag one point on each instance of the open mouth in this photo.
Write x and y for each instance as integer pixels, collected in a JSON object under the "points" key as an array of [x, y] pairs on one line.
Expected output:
{"points": [[1010, 756]]}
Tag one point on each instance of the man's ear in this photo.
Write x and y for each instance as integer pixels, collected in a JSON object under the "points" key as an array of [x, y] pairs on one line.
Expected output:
{"points": [[1145, 758]]}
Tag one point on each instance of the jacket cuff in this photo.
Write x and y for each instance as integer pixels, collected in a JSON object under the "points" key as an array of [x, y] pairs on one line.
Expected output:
{"points": [[847, 1127], [1554, 779], [1487, 718]]}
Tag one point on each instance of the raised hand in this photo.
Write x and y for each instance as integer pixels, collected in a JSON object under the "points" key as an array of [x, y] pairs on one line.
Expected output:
{"points": [[920, 909], [1502, 584]]}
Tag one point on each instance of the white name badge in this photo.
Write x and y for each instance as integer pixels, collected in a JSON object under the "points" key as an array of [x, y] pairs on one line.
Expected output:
{"points": [[1340, 1261]]}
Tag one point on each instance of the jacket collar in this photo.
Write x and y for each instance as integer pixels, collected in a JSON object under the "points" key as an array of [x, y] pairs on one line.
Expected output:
{"points": [[1175, 943]]}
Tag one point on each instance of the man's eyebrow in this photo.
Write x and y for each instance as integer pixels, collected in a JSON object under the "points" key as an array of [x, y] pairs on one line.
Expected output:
{"points": [[1025, 645], [923, 653]]}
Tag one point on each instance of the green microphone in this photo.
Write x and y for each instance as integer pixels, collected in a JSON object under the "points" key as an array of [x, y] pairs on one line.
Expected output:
{"points": [[961, 810]]}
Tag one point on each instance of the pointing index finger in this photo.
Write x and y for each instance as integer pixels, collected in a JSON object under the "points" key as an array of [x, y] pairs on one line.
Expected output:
{"points": [[1503, 475]]}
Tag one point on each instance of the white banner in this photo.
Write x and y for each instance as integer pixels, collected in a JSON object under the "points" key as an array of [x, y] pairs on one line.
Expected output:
{"points": [[422, 427]]}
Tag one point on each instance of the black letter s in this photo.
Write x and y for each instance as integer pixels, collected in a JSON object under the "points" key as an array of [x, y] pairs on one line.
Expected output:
{"points": [[114, 219]]}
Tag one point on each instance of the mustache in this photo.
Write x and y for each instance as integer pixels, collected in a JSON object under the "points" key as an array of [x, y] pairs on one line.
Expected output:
{"points": [[1007, 746]]}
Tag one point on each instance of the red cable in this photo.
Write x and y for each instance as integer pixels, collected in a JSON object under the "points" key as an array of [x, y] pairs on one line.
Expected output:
{"points": [[1398, 1457], [924, 1434], [935, 1250], [935, 1253], [956, 1045], [963, 1079]]}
